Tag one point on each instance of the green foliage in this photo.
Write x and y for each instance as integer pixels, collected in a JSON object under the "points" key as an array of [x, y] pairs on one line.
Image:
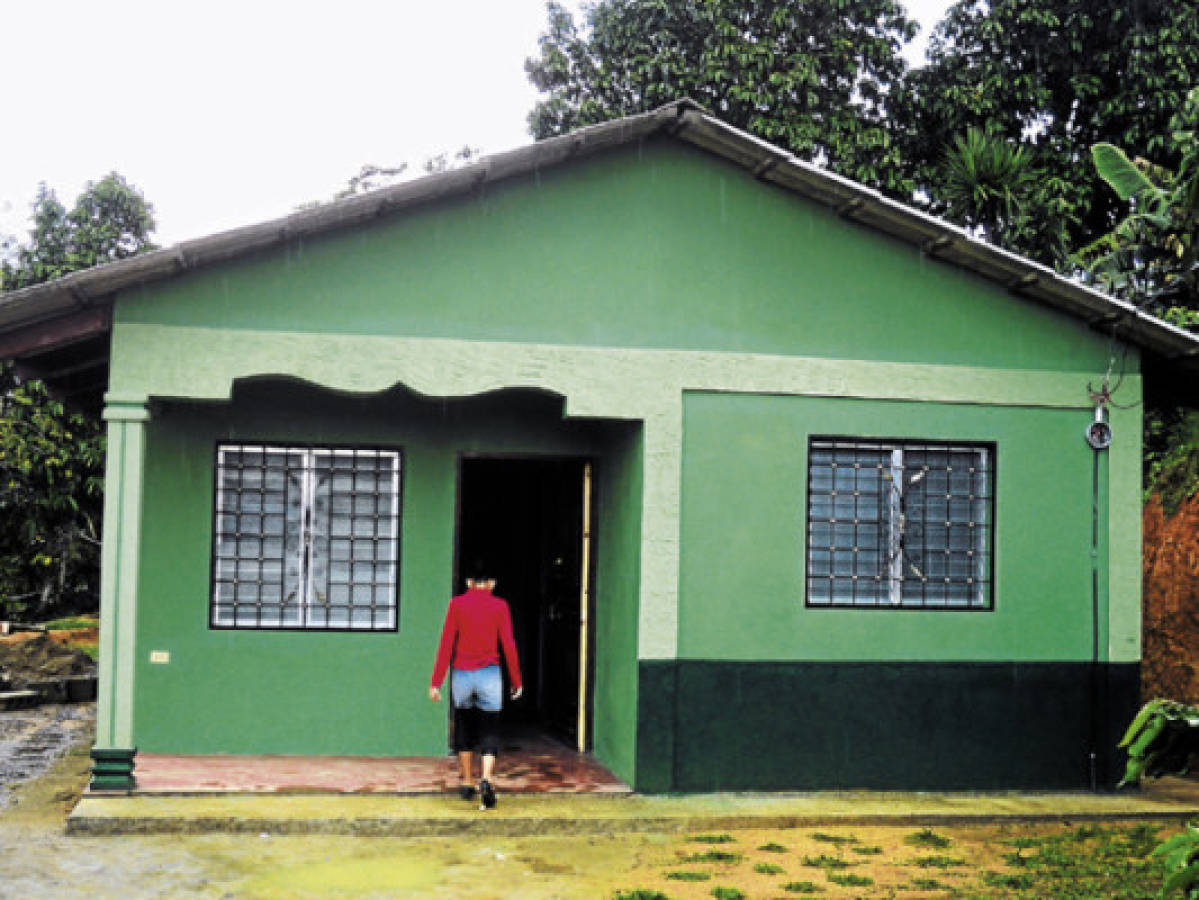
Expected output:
{"points": [[816, 78], [711, 838], [773, 847], [51, 487], [639, 894], [1151, 256], [803, 887], [1079, 864], [1058, 76], [768, 869], [110, 220], [926, 837], [987, 183], [713, 856], [681, 875], [1162, 739], [728, 893], [51, 458], [824, 861], [849, 879], [1172, 455], [1180, 854], [938, 862]]}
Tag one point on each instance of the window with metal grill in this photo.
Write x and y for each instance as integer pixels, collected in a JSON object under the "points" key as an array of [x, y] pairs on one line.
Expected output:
{"points": [[899, 524], [305, 538]]}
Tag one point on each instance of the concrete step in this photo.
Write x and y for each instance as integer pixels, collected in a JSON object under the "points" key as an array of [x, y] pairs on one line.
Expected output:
{"points": [[548, 814]]}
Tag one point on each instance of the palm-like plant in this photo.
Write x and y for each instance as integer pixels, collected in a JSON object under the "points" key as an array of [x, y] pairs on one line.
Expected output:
{"points": [[985, 182]]}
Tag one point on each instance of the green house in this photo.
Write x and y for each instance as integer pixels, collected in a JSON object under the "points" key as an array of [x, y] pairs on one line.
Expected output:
{"points": [[791, 484]]}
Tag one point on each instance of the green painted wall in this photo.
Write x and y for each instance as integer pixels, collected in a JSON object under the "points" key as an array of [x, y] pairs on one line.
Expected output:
{"points": [[656, 245], [617, 583], [741, 592], [243, 691]]}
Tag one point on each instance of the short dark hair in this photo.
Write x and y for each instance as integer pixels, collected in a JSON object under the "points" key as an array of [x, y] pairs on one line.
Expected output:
{"points": [[479, 569]]}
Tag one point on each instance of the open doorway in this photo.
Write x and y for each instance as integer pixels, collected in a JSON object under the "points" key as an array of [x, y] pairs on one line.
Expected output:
{"points": [[528, 517]]}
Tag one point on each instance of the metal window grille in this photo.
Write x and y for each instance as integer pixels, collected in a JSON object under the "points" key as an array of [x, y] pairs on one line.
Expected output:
{"points": [[305, 537], [899, 523]]}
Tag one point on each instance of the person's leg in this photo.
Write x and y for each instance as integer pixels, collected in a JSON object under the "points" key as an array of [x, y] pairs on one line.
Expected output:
{"points": [[466, 764], [489, 737], [466, 736]]}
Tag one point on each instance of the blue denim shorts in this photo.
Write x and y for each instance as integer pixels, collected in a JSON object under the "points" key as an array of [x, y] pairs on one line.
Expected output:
{"points": [[477, 688]]}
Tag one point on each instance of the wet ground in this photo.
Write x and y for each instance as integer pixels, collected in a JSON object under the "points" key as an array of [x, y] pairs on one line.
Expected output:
{"points": [[32, 740], [38, 859]]}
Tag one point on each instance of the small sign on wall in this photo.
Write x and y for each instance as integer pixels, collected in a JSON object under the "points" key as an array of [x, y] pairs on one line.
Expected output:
{"points": [[160, 656]]}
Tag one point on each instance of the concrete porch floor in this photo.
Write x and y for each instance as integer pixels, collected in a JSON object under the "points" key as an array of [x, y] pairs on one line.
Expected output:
{"points": [[528, 763]]}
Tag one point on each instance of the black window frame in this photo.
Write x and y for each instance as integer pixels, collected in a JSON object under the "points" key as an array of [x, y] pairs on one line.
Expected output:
{"points": [[883, 601], [289, 447]]}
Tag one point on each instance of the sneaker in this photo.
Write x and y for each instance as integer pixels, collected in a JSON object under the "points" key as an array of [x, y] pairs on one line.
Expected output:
{"points": [[487, 794], [466, 792]]}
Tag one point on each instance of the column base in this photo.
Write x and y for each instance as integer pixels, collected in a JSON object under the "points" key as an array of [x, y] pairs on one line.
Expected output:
{"points": [[112, 769]]}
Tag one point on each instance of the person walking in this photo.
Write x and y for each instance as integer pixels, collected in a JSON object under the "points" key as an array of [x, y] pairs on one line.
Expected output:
{"points": [[477, 625]]}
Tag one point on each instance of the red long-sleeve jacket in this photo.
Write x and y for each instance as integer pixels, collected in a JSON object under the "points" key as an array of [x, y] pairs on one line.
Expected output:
{"points": [[476, 625]]}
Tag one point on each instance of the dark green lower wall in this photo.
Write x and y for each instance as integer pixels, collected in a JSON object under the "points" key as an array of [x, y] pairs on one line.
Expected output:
{"points": [[708, 725]]}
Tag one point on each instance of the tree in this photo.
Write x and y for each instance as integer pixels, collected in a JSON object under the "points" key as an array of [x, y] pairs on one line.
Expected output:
{"points": [[1057, 76], [110, 220], [986, 183], [51, 458], [815, 78], [1151, 257], [51, 490]]}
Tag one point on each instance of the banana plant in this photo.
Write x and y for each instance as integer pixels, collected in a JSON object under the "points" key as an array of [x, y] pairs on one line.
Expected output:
{"points": [[1181, 857], [1163, 739]]}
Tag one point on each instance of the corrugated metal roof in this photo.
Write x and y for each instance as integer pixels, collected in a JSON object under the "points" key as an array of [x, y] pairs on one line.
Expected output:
{"points": [[684, 120]]}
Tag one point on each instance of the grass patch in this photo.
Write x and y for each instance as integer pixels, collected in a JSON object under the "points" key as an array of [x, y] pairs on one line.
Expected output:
{"points": [[835, 839], [938, 861], [1005, 880], [713, 856], [689, 876], [1092, 861], [640, 894], [768, 869], [711, 838], [928, 884], [727, 893], [867, 851], [773, 847], [926, 837], [802, 887], [824, 861], [849, 879]]}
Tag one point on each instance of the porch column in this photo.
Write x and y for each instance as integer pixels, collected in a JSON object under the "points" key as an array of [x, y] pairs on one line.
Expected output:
{"points": [[112, 755]]}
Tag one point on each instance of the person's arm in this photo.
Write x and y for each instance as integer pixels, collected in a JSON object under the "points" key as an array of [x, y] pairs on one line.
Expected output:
{"points": [[509, 645], [445, 650]]}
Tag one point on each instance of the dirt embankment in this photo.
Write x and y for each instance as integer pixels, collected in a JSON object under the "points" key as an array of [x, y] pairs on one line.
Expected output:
{"points": [[30, 657], [1171, 602]]}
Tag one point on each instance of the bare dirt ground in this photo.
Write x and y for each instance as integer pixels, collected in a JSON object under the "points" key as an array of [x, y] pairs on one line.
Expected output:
{"points": [[38, 860]]}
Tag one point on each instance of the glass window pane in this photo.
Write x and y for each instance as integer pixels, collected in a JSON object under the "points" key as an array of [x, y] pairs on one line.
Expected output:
{"points": [[908, 519], [294, 526]]}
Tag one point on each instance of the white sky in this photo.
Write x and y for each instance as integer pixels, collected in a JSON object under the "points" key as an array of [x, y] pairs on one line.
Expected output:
{"points": [[227, 113]]}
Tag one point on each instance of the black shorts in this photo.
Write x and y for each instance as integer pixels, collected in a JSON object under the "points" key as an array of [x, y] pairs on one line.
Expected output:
{"points": [[476, 730]]}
